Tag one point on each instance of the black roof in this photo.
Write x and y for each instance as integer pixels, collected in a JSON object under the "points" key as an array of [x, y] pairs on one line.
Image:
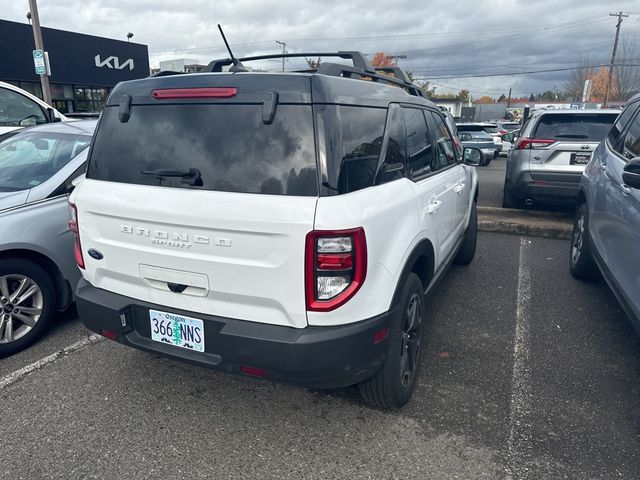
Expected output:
{"points": [[291, 88]]}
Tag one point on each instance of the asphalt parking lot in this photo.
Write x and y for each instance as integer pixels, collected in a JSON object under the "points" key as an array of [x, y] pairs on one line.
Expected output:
{"points": [[491, 180], [526, 373]]}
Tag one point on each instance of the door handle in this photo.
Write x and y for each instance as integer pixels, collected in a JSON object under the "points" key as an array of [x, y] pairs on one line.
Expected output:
{"points": [[603, 167], [625, 190], [433, 206], [459, 187]]}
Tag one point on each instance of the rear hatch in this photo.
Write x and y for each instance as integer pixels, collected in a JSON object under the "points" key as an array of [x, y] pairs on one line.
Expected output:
{"points": [[200, 199], [563, 143]]}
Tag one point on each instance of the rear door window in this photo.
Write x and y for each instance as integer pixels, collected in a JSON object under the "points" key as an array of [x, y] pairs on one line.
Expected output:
{"points": [[575, 127], [420, 152], [229, 146], [632, 140], [445, 151], [615, 135]]}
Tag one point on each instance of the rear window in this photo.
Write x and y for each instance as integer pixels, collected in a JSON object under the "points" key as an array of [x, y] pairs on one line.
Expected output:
{"points": [[569, 126], [481, 135], [229, 146], [491, 129], [470, 128]]}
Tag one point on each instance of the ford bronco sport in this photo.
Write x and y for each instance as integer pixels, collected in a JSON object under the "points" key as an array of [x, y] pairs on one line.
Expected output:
{"points": [[284, 226]]}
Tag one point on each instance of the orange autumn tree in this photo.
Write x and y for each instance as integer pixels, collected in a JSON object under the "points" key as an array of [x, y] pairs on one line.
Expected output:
{"points": [[381, 59], [599, 85], [485, 99]]}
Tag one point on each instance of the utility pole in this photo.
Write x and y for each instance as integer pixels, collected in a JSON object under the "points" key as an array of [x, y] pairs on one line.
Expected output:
{"points": [[283, 44], [509, 100], [620, 16], [37, 37]]}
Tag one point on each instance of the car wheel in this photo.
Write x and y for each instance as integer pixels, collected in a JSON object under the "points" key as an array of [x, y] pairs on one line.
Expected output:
{"points": [[581, 261], [27, 304], [507, 199], [468, 248], [394, 383]]}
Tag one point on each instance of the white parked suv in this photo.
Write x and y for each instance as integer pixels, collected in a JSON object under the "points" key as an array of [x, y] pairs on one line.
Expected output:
{"points": [[284, 226]]}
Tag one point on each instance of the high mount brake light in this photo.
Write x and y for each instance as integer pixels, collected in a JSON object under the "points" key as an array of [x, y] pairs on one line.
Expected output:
{"points": [[528, 143], [73, 226], [335, 267], [187, 93]]}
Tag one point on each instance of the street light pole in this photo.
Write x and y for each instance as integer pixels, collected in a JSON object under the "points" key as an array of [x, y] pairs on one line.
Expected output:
{"points": [[37, 37]]}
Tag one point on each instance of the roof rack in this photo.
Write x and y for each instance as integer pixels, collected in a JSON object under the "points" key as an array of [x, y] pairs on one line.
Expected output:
{"points": [[358, 59], [361, 68]]}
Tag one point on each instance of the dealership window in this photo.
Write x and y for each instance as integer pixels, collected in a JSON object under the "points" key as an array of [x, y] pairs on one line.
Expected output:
{"points": [[90, 99]]}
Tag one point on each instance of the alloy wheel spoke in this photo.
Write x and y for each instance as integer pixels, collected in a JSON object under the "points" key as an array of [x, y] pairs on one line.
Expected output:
{"points": [[8, 330], [18, 291], [4, 288], [31, 310], [28, 293], [27, 320]]}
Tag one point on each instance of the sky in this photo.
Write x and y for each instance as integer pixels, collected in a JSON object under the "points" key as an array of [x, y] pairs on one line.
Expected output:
{"points": [[447, 42]]}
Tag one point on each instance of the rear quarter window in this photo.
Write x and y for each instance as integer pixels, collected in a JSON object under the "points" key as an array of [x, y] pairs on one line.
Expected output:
{"points": [[230, 146]]}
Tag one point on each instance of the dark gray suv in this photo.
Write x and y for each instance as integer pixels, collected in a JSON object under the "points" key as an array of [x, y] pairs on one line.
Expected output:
{"points": [[606, 234]]}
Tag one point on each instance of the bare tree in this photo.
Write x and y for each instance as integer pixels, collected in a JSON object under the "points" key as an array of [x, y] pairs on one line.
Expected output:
{"points": [[627, 71], [575, 83]]}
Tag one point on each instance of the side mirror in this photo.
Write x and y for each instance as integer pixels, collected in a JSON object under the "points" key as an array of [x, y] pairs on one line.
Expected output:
{"points": [[631, 174], [473, 156]]}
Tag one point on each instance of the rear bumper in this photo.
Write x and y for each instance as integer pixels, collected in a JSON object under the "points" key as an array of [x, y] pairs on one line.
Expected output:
{"points": [[551, 188], [320, 357]]}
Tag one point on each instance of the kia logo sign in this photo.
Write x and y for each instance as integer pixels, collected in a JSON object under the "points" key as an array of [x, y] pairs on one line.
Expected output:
{"points": [[114, 62]]}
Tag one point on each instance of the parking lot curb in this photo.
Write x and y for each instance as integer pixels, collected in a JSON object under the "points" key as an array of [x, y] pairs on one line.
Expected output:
{"points": [[525, 222]]}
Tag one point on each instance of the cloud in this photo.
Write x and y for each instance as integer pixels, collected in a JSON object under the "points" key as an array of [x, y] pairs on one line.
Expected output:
{"points": [[440, 38]]}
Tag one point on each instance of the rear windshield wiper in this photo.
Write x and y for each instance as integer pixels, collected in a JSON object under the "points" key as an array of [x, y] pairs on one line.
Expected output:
{"points": [[571, 136], [189, 176]]}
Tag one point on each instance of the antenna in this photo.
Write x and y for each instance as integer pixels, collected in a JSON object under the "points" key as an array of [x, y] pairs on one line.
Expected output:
{"points": [[237, 66]]}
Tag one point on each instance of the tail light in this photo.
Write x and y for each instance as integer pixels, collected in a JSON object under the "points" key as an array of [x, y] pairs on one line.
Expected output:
{"points": [[335, 267], [533, 143], [503, 132], [73, 226]]}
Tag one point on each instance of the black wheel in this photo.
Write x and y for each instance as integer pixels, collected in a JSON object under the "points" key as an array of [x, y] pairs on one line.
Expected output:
{"points": [[27, 304], [507, 199], [468, 248], [394, 383], [581, 261]]}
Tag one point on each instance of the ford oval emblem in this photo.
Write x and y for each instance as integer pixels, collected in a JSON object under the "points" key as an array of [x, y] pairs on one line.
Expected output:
{"points": [[93, 253]]}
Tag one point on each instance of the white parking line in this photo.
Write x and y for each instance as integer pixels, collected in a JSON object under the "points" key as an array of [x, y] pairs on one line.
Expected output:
{"points": [[519, 441], [16, 375]]}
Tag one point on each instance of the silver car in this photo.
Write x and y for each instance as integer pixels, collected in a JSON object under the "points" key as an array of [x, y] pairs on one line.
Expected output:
{"points": [[37, 269], [553, 148], [606, 233]]}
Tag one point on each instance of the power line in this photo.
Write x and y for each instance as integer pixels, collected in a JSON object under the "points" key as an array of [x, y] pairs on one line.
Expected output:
{"points": [[506, 74]]}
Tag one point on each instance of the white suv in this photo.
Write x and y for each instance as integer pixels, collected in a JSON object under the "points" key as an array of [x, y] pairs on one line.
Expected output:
{"points": [[284, 226]]}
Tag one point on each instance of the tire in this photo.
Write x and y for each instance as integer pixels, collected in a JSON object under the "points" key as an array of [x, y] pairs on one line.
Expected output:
{"points": [[392, 386], [581, 263], [508, 200], [41, 304], [468, 248]]}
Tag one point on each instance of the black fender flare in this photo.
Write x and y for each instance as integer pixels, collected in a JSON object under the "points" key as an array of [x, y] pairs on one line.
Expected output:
{"points": [[421, 258]]}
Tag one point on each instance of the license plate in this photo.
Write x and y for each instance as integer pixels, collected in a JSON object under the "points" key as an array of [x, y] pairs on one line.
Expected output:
{"points": [[177, 330], [580, 158]]}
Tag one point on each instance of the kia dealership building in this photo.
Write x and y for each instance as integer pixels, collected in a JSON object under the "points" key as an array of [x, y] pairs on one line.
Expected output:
{"points": [[84, 68]]}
